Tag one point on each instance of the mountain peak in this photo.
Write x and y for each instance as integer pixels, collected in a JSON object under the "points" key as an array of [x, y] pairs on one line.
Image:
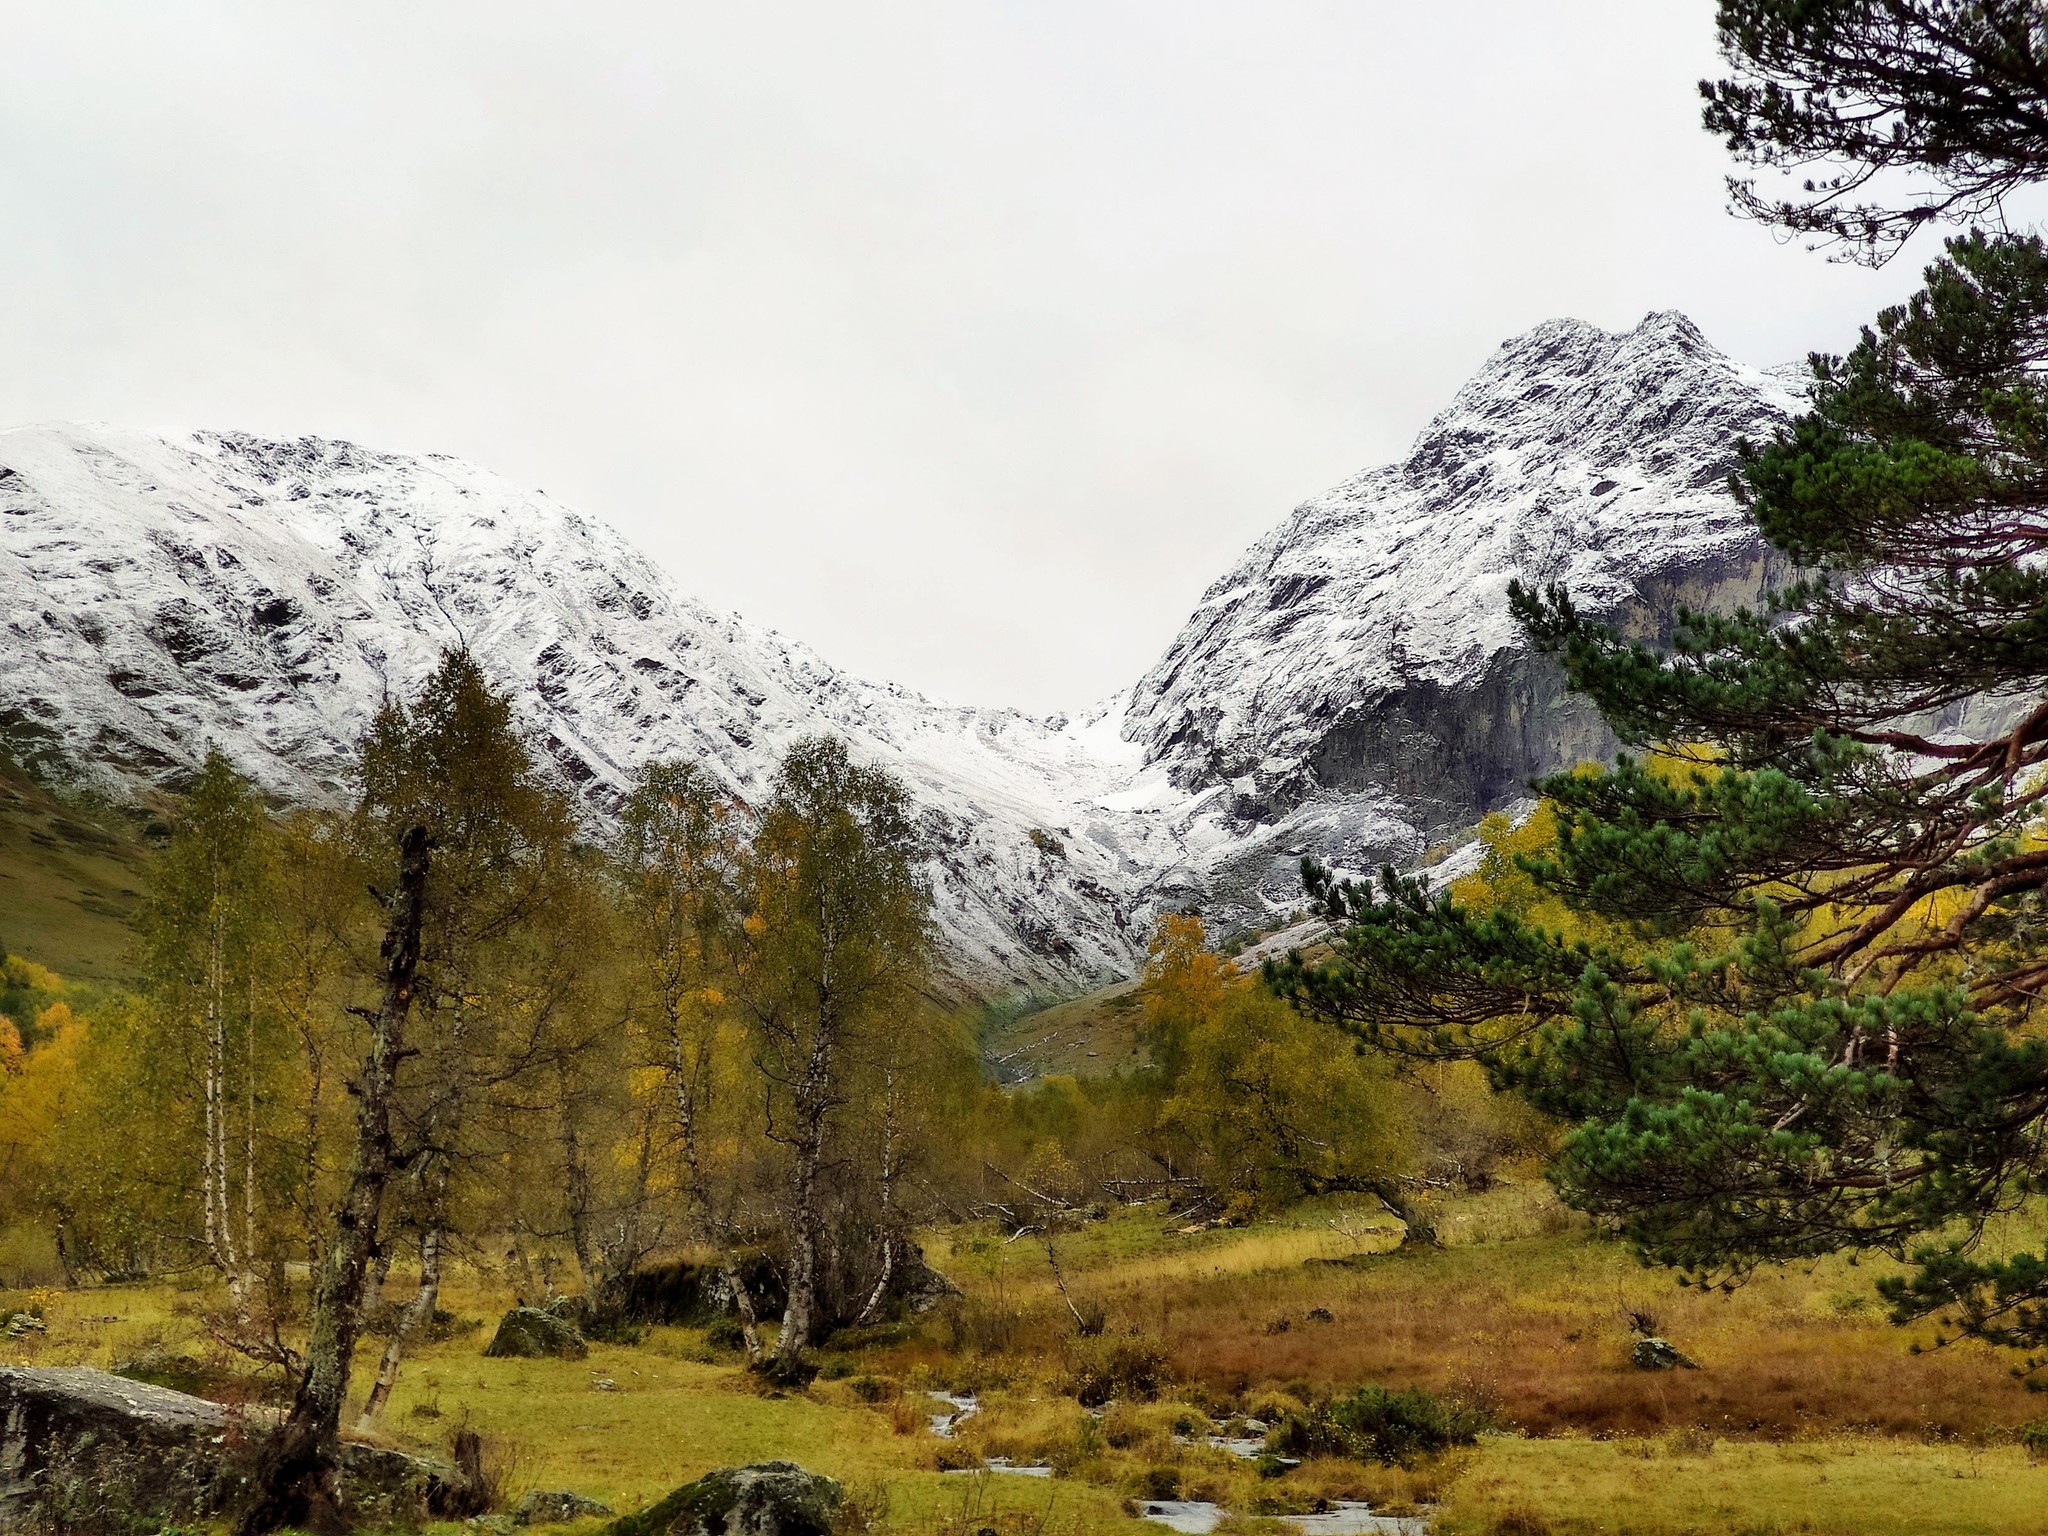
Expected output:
{"points": [[1319, 681]]}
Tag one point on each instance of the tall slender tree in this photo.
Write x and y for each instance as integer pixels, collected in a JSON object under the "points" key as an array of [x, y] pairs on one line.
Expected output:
{"points": [[496, 979], [206, 926], [837, 945], [467, 832], [679, 859]]}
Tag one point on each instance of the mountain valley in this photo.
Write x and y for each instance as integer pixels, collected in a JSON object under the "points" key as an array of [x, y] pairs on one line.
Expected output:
{"points": [[1352, 688]]}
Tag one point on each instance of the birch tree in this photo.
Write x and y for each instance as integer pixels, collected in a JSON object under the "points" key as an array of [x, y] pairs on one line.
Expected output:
{"points": [[834, 954]]}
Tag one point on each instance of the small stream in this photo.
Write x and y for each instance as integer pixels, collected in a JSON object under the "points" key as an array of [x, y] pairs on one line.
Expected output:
{"points": [[1193, 1517], [959, 1405]]}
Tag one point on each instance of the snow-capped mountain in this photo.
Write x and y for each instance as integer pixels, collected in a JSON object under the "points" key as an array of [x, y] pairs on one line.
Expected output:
{"points": [[1355, 687], [1352, 688]]}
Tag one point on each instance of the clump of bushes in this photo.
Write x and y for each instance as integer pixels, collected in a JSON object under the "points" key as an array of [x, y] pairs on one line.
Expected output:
{"points": [[2033, 1438], [1374, 1424], [725, 1334], [1133, 1368]]}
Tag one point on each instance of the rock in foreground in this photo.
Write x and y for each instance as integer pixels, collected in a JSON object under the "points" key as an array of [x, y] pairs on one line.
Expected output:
{"points": [[776, 1498], [81, 1450]]}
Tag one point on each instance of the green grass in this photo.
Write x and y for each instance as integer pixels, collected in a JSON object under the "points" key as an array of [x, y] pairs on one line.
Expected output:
{"points": [[70, 879], [671, 1420], [1082, 1036], [1835, 1487]]}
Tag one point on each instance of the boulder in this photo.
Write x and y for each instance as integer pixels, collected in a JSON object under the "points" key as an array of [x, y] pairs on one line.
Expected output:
{"points": [[917, 1287], [81, 1450], [689, 1294], [1654, 1354], [775, 1498], [557, 1508], [528, 1333]]}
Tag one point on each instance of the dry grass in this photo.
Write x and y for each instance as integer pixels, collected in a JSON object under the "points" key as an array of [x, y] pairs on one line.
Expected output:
{"points": [[1535, 1326], [1810, 1414]]}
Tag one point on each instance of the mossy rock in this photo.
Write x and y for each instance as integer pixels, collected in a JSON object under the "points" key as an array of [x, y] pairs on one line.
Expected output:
{"points": [[774, 1498], [556, 1508], [1653, 1354], [528, 1333]]}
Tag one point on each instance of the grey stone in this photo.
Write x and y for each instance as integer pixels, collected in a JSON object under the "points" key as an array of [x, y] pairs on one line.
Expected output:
{"points": [[1660, 1355], [774, 1498], [556, 1508], [81, 1450], [528, 1333]]}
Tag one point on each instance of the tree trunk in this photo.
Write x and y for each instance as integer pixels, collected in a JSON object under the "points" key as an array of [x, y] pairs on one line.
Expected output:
{"points": [[890, 1133], [576, 1187], [799, 1317], [295, 1483], [249, 1132], [417, 1314], [309, 1172], [689, 1075], [1418, 1230]]}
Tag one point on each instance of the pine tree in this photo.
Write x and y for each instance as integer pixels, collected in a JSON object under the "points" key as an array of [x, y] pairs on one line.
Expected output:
{"points": [[1793, 1009], [1894, 112]]}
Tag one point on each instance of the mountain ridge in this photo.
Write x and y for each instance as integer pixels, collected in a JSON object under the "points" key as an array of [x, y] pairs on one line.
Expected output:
{"points": [[163, 594]]}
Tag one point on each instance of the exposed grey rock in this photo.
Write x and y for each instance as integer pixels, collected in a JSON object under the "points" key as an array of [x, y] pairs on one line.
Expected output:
{"points": [[556, 1508], [1354, 688], [1654, 1354], [774, 1498], [81, 1450], [917, 1286], [529, 1333]]}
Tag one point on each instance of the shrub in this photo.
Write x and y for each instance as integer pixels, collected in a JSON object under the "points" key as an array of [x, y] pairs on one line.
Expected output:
{"points": [[1159, 1483], [1134, 1368], [2034, 1438], [1373, 1424]]}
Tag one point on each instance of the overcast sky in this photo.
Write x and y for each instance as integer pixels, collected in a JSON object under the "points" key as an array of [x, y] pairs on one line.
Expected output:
{"points": [[966, 341]]}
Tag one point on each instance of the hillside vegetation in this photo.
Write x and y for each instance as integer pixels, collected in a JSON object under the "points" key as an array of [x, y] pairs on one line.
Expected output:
{"points": [[71, 874]]}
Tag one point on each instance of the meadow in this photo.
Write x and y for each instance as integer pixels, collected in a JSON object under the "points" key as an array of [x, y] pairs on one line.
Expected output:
{"points": [[1810, 1413]]}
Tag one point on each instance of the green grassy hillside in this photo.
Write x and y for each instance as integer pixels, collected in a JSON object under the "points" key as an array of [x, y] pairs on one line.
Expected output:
{"points": [[1095, 1032], [70, 878]]}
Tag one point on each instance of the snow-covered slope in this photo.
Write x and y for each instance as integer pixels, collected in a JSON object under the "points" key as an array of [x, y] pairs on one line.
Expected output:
{"points": [[1355, 686], [1349, 689], [162, 595]]}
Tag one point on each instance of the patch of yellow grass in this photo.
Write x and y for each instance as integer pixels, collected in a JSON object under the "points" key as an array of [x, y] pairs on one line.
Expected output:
{"points": [[1835, 1487]]}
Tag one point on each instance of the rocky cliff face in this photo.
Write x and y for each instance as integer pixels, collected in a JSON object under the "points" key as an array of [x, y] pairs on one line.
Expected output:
{"points": [[1353, 688], [1357, 676]]}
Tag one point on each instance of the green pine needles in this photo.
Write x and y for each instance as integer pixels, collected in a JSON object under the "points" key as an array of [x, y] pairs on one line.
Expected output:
{"points": [[1782, 966]]}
